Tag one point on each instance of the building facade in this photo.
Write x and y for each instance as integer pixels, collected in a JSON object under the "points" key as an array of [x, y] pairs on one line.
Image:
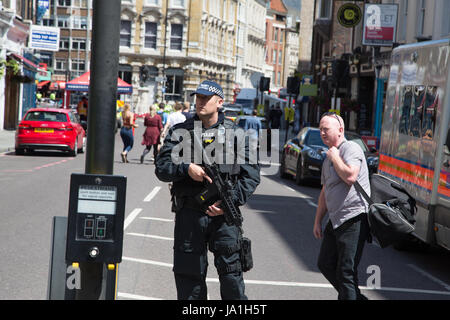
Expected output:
{"points": [[18, 66], [168, 46], [351, 75], [275, 44]]}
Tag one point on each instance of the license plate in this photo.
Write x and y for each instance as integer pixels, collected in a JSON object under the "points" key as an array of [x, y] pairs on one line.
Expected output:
{"points": [[46, 130]]}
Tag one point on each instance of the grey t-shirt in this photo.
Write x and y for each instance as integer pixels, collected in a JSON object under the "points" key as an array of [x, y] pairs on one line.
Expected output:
{"points": [[343, 201]]}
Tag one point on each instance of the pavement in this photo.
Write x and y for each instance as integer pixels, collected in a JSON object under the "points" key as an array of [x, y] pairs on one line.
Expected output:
{"points": [[7, 140]]}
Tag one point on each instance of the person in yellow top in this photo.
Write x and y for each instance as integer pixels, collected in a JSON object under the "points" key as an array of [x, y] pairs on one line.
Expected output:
{"points": [[82, 108]]}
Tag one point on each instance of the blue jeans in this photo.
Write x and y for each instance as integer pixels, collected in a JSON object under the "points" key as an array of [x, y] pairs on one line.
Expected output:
{"points": [[127, 138], [340, 253]]}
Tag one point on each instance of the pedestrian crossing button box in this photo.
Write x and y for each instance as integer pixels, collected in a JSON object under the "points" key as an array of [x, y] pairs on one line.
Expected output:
{"points": [[96, 217]]}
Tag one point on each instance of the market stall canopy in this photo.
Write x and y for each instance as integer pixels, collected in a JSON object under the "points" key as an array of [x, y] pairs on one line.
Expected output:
{"points": [[82, 84]]}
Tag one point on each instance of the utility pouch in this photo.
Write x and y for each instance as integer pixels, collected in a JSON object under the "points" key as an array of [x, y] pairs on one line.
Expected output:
{"points": [[207, 196], [246, 254], [177, 203]]}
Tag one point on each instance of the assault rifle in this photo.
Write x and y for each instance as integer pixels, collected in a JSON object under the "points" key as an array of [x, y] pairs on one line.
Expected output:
{"points": [[219, 187]]}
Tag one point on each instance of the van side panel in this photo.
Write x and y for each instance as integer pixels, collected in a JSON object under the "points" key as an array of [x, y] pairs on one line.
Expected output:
{"points": [[413, 118]]}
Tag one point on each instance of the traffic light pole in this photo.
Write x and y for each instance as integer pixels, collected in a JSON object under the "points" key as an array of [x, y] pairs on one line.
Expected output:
{"points": [[96, 281]]}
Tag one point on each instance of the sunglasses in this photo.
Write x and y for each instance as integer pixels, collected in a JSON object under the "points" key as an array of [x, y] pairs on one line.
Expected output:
{"points": [[332, 114]]}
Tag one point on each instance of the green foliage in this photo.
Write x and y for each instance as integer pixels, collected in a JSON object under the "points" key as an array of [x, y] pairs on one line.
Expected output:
{"points": [[11, 64]]}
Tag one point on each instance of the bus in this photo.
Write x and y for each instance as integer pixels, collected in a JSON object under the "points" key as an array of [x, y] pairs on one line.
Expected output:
{"points": [[414, 146]]}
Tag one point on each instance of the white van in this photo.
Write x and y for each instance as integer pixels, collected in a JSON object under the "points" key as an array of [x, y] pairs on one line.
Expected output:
{"points": [[415, 142], [247, 96]]}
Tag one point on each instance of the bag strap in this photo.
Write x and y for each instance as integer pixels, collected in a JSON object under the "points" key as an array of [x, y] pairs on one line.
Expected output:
{"points": [[364, 194]]}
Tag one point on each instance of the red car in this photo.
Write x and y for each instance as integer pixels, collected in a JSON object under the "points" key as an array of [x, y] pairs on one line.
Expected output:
{"points": [[50, 129]]}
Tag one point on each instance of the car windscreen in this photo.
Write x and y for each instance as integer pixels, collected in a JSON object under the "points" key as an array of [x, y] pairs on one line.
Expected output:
{"points": [[313, 139], [46, 116]]}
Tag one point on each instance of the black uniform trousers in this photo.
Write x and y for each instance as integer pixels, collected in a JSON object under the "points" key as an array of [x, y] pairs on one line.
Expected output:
{"points": [[195, 232]]}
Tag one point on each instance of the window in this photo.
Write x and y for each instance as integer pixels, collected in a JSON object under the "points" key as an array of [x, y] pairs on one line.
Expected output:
{"points": [[60, 65], [174, 84], [79, 3], [79, 44], [176, 36], [48, 22], [279, 78], [78, 65], [274, 56], [125, 33], [403, 20], [178, 3], [324, 9], [405, 107], [150, 35], [275, 34], [64, 3], [418, 111], [445, 19], [281, 36], [421, 18], [64, 43], [280, 57], [64, 21], [79, 22], [151, 2]]}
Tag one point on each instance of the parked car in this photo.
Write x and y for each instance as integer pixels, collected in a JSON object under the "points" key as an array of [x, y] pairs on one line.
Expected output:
{"points": [[302, 156], [50, 129]]}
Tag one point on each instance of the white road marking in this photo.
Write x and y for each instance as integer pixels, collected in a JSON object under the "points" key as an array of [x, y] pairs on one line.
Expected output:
{"points": [[156, 263], [135, 296], [152, 194], [131, 217], [149, 236], [299, 284], [157, 219], [429, 276], [303, 196]]}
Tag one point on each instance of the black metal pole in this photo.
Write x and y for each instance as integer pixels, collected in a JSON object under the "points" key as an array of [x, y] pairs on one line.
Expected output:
{"points": [[163, 92], [101, 118]]}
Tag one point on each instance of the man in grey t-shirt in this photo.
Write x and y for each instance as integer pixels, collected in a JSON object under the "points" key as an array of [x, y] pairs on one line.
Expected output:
{"points": [[346, 232]]}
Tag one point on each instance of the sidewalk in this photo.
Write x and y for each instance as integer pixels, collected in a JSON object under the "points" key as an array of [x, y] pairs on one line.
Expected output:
{"points": [[7, 140]]}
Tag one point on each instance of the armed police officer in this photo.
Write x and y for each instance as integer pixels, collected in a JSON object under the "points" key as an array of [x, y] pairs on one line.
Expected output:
{"points": [[199, 226]]}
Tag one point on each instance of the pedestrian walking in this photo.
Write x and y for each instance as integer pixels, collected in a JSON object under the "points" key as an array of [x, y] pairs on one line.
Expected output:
{"points": [[187, 110], [82, 108], [126, 132], [174, 118], [162, 114], [347, 229], [275, 117], [198, 228], [151, 136]]}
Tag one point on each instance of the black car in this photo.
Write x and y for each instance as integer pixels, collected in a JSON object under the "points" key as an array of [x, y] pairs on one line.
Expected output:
{"points": [[302, 156]]}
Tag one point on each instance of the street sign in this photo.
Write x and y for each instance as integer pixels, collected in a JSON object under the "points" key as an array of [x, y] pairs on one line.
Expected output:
{"points": [[380, 24], [349, 15], [44, 38]]}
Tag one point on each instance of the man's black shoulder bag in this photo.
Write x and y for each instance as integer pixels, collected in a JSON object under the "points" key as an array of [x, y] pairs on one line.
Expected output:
{"points": [[390, 221]]}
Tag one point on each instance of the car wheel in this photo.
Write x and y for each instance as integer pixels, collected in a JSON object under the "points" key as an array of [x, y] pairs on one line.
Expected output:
{"points": [[73, 153], [83, 147], [20, 151], [299, 174], [283, 173]]}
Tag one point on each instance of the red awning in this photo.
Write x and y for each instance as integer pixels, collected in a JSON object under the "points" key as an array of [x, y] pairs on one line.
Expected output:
{"points": [[42, 83], [82, 84], [24, 60], [58, 85]]}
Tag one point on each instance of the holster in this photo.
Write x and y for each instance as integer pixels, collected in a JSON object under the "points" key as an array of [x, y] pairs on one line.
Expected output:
{"points": [[246, 254]]}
